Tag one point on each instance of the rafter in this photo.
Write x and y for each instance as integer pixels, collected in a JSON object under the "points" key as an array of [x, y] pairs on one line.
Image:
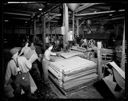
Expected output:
{"points": [[85, 6], [13, 13]]}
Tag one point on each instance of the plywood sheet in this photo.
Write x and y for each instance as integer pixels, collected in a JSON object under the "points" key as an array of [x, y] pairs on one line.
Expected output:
{"points": [[79, 49]]}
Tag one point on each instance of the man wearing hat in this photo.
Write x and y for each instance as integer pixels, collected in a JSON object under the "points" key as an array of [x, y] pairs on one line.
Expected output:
{"points": [[18, 70]]}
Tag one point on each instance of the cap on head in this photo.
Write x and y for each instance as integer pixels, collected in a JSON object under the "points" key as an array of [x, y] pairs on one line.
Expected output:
{"points": [[15, 50]]}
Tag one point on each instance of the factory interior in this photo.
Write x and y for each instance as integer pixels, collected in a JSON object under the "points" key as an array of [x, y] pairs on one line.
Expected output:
{"points": [[89, 42]]}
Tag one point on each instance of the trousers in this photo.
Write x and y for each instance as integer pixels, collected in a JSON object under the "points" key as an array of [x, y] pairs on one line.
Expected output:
{"points": [[45, 64], [22, 81]]}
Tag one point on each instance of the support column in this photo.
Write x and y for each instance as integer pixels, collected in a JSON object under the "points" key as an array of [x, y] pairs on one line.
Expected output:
{"points": [[34, 32], [99, 60], [77, 25], [123, 51], [65, 23], [73, 19], [43, 31]]}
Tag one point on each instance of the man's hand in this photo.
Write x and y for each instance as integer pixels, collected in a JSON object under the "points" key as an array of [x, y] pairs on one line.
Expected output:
{"points": [[58, 54]]}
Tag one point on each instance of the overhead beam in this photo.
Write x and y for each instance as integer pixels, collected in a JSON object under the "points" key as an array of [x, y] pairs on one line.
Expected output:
{"points": [[96, 13], [102, 7], [85, 6], [52, 13], [118, 18], [16, 2], [21, 14], [53, 17], [21, 18], [49, 10], [23, 11]]}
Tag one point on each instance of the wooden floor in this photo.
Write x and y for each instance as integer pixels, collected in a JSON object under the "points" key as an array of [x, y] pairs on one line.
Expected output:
{"points": [[85, 92]]}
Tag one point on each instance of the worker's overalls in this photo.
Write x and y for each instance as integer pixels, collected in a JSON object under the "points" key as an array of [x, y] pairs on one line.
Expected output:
{"points": [[21, 81], [45, 64]]}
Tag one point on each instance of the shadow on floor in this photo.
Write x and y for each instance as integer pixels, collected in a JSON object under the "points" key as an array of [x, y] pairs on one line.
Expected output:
{"points": [[103, 90]]}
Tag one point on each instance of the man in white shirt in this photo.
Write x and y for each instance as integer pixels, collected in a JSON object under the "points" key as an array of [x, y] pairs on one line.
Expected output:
{"points": [[46, 60], [84, 44], [17, 70], [70, 38], [47, 40]]}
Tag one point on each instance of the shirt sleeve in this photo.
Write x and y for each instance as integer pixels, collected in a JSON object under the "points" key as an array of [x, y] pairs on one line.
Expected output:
{"points": [[52, 53], [8, 73]]}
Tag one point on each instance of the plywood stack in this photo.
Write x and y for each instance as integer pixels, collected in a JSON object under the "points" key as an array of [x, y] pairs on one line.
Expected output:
{"points": [[71, 54], [72, 72], [79, 49]]}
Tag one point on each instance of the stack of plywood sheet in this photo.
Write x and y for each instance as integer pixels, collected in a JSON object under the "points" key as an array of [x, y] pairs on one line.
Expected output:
{"points": [[77, 48], [70, 54], [72, 72]]}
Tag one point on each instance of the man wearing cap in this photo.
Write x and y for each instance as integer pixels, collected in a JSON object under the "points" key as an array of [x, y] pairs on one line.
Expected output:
{"points": [[17, 70], [46, 59]]}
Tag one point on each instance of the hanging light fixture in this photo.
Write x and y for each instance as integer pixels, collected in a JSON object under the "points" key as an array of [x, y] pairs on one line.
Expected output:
{"points": [[73, 6], [40, 9]]}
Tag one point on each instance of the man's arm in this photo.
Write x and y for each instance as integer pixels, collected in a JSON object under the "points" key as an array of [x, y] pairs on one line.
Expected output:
{"points": [[52, 53]]}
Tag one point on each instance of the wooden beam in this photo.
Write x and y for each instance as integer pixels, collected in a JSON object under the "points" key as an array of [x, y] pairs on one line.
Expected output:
{"points": [[73, 19], [81, 23], [77, 25], [20, 18], [21, 14], [123, 51], [49, 10], [23, 11], [44, 31], [96, 13], [116, 18], [99, 60], [66, 24], [85, 6], [52, 13], [17, 2], [34, 32], [53, 17]]}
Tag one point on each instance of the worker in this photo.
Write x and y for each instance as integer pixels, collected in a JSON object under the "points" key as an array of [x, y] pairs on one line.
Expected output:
{"points": [[57, 43], [47, 40], [84, 44], [46, 61], [36, 68], [70, 38], [26, 50], [18, 71]]}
